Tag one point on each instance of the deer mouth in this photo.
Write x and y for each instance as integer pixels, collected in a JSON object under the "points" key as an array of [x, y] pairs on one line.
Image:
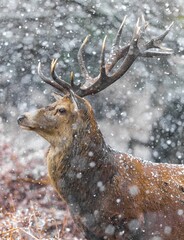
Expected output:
{"points": [[27, 127]]}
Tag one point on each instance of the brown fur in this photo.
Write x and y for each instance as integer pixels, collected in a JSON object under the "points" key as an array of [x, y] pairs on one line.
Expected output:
{"points": [[111, 195]]}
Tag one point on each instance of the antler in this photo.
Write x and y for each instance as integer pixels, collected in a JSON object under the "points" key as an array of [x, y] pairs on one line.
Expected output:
{"points": [[128, 54]]}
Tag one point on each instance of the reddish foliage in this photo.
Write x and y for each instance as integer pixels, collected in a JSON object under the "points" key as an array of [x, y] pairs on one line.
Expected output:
{"points": [[29, 207]]}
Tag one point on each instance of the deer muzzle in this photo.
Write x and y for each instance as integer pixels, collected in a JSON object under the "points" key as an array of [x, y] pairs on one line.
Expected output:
{"points": [[24, 122]]}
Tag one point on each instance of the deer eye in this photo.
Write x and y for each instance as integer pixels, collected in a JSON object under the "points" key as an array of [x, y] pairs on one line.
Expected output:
{"points": [[62, 110]]}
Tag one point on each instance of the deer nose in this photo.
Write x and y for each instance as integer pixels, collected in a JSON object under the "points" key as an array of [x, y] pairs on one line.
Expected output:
{"points": [[20, 119]]}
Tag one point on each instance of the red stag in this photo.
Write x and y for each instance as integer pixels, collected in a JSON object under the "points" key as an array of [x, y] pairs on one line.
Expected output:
{"points": [[111, 195]]}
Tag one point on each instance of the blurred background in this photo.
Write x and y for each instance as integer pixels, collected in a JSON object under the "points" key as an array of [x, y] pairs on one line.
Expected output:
{"points": [[141, 114]]}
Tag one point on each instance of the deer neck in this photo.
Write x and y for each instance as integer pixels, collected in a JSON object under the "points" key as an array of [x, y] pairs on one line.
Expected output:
{"points": [[84, 149]]}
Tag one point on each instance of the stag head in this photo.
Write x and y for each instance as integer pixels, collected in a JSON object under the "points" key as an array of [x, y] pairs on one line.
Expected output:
{"points": [[64, 117]]}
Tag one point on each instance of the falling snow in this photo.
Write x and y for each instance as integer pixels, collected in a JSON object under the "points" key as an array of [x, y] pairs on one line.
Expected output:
{"points": [[142, 114]]}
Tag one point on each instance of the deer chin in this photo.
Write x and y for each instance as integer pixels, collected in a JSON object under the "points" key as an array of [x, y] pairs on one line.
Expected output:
{"points": [[27, 127]]}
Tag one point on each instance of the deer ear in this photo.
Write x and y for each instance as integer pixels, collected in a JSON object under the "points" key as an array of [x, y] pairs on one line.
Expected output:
{"points": [[79, 103], [74, 100], [57, 96]]}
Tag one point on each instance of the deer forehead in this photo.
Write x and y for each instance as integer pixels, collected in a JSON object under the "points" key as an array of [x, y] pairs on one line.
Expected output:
{"points": [[64, 102]]}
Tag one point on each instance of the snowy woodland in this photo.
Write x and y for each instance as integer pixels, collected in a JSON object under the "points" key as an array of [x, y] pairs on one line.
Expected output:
{"points": [[142, 113]]}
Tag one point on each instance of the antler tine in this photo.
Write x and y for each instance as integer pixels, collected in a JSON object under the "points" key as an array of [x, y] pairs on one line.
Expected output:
{"points": [[56, 78], [117, 52], [119, 33], [102, 62], [83, 68], [72, 79], [144, 24], [53, 65], [47, 80], [136, 34], [94, 85], [155, 42]]}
